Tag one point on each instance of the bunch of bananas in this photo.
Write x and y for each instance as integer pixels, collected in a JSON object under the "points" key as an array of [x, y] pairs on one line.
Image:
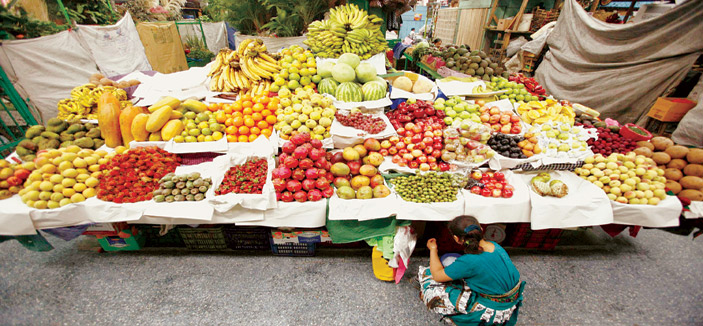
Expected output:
{"points": [[348, 30], [84, 101], [538, 112], [249, 69]]}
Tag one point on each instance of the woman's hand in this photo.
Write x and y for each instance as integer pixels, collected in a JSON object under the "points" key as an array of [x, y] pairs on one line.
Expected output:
{"points": [[432, 244]]}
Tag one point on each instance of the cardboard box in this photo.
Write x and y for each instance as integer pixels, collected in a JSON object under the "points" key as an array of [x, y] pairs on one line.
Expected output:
{"points": [[307, 236], [670, 109], [124, 241], [504, 24]]}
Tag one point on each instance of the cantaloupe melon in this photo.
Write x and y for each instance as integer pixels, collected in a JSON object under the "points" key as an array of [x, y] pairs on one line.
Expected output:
{"points": [[403, 83], [422, 86]]}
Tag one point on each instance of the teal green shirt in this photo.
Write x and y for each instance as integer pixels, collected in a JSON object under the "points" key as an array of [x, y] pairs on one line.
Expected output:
{"points": [[490, 273]]}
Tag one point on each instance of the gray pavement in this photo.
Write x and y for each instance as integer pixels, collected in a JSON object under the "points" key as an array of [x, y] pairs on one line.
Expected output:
{"points": [[590, 279]]}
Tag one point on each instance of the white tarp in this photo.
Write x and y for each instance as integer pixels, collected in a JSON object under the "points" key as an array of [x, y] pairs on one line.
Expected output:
{"points": [[117, 48], [47, 68], [215, 35], [274, 44]]}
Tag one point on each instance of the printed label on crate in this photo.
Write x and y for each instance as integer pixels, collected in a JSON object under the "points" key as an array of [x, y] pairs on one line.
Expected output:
{"points": [[281, 237], [117, 242]]}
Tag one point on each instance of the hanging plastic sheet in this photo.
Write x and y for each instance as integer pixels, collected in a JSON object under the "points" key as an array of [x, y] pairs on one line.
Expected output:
{"points": [[215, 34], [620, 70]]}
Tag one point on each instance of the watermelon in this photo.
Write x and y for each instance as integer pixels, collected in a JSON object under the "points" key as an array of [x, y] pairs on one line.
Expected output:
{"points": [[349, 92], [373, 90], [327, 86]]}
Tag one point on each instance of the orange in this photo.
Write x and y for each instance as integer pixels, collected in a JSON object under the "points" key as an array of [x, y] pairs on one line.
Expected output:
{"points": [[247, 111], [255, 131], [262, 124], [275, 100], [237, 114], [266, 132], [237, 121], [272, 106], [243, 139], [220, 116], [257, 116], [246, 97], [247, 104], [265, 100], [258, 107], [253, 137], [228, 109], [266, 112], [249, 122], [236, 106], [257, 99], [243, 130], [271, 119], [232, 138], [231, 130]]}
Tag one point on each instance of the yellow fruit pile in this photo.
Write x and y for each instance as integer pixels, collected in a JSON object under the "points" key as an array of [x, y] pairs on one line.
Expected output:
{"points": [[249, 69], [83, 103], [304, 112], [538, 112]]}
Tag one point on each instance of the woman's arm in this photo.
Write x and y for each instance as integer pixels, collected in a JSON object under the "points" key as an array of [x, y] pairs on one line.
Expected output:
{"points": [[436, 267]]}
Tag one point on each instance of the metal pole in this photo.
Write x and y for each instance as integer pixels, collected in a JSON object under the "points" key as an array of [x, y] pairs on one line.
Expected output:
{"points": [[65, 13]]}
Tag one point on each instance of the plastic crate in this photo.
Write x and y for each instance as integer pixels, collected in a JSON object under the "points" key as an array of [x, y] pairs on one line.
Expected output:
{"points": [[293, 249], [151, 234], [520, 235], [206, 239], [248, 238], [528, 61]]}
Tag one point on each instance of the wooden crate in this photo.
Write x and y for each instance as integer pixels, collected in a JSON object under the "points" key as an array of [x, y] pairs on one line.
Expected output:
{"points": [[542, 17]]}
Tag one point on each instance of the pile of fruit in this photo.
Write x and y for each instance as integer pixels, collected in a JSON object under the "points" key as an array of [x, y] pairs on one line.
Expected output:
{"points": [[457, 110], [532, 86], [366, 122], [418, 145], [507, 145], [544, 185], [63, 176], [420, 86], [415, 111], [529, 145], [505, 122], [457, 147], [474, 63], [159, 122], [610, 141], [247, 178], [199, 127], [516, 92], [356, 173], [57, 134], [683, 166], [430, 187], [304, 112], [248, 70], [627, 179], [12, 177], [99, 79], [348, 30], [535, 112], [83, 103], [246, 118], [185, 187], [133, 175], [489, 184], [562, 139], [586, 120], [350, 80], [298, 69], [303, 170]]}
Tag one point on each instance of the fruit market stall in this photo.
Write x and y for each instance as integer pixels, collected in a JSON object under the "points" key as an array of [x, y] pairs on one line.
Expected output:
{"points": [[322, 138]]}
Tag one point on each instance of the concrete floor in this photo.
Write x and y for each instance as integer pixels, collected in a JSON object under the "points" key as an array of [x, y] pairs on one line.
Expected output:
{"points": [[654, 279]]}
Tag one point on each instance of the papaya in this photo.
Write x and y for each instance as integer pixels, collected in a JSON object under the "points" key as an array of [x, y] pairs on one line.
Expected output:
{"points": [[171, 129], [169, 101], [155, 136], [158, 119], [126, 118], [176, 115], [109, 119], [139, 127]]}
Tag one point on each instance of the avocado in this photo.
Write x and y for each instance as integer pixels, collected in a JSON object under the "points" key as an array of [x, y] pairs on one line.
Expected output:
{"points": [[64, 136], [480, 71], [74, 128], [483, 64], [93, 133], [79, 134], [49, 134], [53, 122], [38, 139], [475, 59], [33, 131], [84, 142]]}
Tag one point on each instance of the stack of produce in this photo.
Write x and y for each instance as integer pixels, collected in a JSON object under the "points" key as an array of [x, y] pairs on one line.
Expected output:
{"points": [[350, 80], [535, 112], [248, 70], [247, 178], [83, 103], [366, 122], [489, 184], [529, 145], [298, 69], [356, 173], [610, 141], [415, 111], [58, 133], [455, 109], [507, 146], [162, 121], [418, 146], [246, 118], [683, 166], [505, 122], [586, 120], [63, 176], [516, 92], [474, 63], [562, 139], [305, 112], [133, 175], [303, 172], [12, 177], [544, 185], [430, 187], [420, 86], [348, 30], [627, 179], [100, 80], [458, 146], [532, 86], [186, 187], [198, 127]]}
